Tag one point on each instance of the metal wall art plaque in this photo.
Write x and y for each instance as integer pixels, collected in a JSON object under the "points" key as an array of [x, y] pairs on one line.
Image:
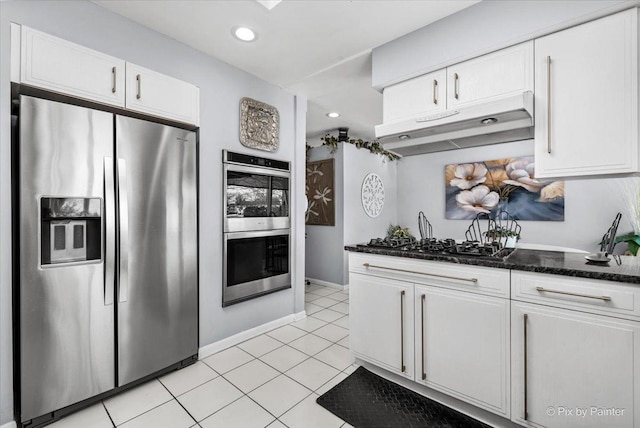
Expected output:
{"points": [[259, 125]]}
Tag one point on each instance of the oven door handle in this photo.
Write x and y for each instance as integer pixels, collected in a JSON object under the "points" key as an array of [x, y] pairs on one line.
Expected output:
{"points": [[256, 170], [256, 234]]}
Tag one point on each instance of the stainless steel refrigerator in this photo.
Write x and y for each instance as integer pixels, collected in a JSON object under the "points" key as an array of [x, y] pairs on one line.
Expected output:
{"points": [[106, 246]]}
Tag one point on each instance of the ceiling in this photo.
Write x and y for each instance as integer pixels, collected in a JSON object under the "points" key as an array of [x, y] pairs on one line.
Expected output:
{"points": [[317, 48]]}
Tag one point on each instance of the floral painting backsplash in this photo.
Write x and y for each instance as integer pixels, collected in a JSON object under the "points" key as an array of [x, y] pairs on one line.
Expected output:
{"points": [[320, 193], [502, 184]]}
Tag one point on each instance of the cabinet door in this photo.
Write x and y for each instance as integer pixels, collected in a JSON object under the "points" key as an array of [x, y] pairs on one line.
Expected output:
{"points": [[505, 72], [573, 369], [381, 313], [586, 99], [57, 65], [462, 346], [415, 97], [163, 96]]}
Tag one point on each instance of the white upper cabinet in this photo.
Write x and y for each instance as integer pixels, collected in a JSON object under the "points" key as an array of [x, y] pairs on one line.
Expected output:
{"points": [[586, 99], [493, 76], [160, 95], [499, 74], [415, 97], [57, 65]]}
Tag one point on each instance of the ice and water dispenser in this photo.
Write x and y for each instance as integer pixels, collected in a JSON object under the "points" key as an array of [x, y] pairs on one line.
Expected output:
{"points": [[70, 230]]}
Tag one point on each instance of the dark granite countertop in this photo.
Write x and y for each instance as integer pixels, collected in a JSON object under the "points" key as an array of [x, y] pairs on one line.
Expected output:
{"points": [[551, 262]]}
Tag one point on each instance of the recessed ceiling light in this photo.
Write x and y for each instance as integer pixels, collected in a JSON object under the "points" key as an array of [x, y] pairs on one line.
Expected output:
{"points": [[333, 115], [245, 34]]}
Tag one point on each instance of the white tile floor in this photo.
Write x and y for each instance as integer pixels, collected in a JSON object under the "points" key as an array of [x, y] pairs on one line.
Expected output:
{"points": [[270, 381]]}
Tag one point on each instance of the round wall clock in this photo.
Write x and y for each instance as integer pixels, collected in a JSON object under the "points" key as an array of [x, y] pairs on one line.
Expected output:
{"points": [[372, 195]]}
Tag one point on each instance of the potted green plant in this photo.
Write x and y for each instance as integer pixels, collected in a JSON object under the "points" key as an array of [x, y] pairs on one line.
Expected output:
{"points": [[498, 233], [630, 192], [632, 239], [397, 231]]}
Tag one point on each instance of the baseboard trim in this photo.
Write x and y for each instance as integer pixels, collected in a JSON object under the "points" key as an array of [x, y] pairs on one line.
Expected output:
{"points": [[328, 284], [11, 424], [230, 341]]}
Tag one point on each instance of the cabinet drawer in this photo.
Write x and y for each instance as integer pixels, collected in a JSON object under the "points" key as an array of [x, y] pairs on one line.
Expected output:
{"points": [[588, 295], [473, 279]]}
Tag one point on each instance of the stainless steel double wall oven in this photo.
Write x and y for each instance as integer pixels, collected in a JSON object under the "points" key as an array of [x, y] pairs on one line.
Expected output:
{"points": [[256, 227]]}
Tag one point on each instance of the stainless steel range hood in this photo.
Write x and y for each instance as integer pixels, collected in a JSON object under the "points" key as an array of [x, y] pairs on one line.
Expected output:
{"points": [[497, 121]]}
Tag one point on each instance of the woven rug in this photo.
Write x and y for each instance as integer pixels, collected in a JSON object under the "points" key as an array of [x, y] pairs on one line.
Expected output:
{"points": [[365, 400]]}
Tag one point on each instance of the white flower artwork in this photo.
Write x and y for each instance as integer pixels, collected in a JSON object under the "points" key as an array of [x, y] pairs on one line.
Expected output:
{"points": [[372, 195]]}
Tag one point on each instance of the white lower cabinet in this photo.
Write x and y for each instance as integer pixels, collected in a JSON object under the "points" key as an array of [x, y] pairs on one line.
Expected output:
{"points": [[381, 313], [541, 350], [573, 369], [462, 346], [420, 320]]}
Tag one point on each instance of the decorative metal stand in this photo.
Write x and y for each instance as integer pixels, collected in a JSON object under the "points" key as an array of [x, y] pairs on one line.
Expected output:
{"points": [[608, 242], [493, 231], [426, 231]]}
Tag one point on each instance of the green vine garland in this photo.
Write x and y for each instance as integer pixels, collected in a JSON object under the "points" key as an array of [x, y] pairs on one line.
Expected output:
{"points": [[374, 147]]}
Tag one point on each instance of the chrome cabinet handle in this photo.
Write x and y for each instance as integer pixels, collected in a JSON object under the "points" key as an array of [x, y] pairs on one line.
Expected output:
{"points": [[114, 77], [138, 86], [110, 228], [424, 374], [435, 92], [549, 104], [402, 367], [526, 413], [567, 293], [474, 280], [123, 280], [456, 89]]}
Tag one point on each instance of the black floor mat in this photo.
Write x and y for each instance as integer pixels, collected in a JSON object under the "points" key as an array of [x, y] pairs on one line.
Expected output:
{"points": [[366, 400]]}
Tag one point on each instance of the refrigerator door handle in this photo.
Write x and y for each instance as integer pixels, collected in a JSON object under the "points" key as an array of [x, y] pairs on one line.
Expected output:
{"points": [[123, 282], [110, 228]]}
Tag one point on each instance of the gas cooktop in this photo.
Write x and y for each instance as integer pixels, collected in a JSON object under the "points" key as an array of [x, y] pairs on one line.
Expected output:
{"points": [[445, 247]]}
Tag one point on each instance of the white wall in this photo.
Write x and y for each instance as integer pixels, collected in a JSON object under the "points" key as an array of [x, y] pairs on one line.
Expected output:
{"points": [[484, 27], [221, 87], [590, 205], [323, 258], [326, 259], [359, 227]]}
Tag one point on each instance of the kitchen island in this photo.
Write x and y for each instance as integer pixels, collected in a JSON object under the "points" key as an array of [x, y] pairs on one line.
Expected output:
{"points": [[503, 339]]}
